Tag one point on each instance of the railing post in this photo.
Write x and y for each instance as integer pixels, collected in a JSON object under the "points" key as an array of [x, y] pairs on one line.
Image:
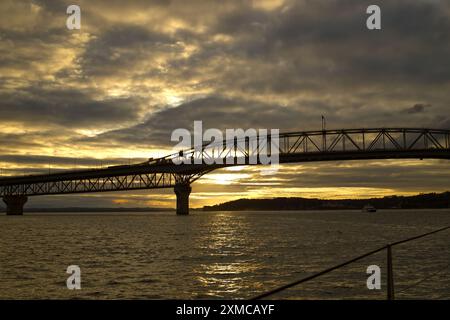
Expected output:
{"points": [[364, 140], [324, 141], [404, 139], [390, 274]]}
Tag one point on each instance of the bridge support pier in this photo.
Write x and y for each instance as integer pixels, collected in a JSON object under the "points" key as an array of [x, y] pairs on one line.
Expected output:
{"points": [[182, 191], [14, 204]]}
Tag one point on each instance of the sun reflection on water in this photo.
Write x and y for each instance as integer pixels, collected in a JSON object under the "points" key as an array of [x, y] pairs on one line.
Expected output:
{"points": [[227, 236]]}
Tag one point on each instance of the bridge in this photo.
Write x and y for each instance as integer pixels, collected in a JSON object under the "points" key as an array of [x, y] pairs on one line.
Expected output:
{"points": [[292, 147]]}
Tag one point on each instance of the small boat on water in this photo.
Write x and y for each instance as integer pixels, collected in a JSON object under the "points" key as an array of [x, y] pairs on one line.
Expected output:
{"points": [[369, 208]]}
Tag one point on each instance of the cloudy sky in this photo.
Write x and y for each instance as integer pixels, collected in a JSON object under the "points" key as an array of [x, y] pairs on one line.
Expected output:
{"points": [[113, 91]]}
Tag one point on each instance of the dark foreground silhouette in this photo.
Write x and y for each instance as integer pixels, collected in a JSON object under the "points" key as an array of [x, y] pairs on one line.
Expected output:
{"points": [[421, 201]]}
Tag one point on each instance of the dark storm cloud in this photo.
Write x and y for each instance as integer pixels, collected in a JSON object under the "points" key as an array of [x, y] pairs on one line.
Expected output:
{"points": [[34, 37], [71, 108], [417, 108], [24, 49], [13, 140], [413, 44], [122, 46], [54, 6], [214, 112], [302, 47]]}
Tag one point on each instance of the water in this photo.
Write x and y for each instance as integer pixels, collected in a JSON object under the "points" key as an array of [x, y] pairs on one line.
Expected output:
{"points": [[220, 254]]}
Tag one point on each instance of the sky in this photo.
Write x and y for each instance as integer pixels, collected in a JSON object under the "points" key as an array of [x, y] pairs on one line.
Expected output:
{"points": [[113, 91]]}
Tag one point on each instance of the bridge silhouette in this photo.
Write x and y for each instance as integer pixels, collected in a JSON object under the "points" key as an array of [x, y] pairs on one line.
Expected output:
{"points": [[292, 147]]}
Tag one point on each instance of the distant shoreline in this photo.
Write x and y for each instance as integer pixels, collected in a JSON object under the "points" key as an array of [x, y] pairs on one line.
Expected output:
{"points": [[421, 201]]}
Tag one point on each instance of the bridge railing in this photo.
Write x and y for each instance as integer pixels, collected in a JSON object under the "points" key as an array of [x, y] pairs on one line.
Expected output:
{"points": [[301, 142], [390, 292], [326, 141]]}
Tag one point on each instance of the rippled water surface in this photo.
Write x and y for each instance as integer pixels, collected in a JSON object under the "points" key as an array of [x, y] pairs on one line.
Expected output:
{"points": [[220, 254]]}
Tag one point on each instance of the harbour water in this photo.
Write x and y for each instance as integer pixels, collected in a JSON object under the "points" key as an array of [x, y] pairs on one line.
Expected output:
{"points": [[219, 255]]}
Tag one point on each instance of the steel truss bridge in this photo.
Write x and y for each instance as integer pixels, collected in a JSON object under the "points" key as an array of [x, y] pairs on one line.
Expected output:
{"points": [[181, 169]]}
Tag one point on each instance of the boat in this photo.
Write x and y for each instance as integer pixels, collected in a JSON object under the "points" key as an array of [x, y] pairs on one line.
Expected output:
{"points": [[369, 208]]}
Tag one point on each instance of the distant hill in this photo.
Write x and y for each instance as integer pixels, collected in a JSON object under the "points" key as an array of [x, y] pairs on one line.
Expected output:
{"points": [[421, 201]]}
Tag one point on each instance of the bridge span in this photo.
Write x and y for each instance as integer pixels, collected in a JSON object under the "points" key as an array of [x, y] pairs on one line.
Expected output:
{"points": [[292, 147]]}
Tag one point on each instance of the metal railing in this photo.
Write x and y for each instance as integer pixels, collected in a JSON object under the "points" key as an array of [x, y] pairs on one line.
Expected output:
{"points": [[390, 270], [361, 140]]}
